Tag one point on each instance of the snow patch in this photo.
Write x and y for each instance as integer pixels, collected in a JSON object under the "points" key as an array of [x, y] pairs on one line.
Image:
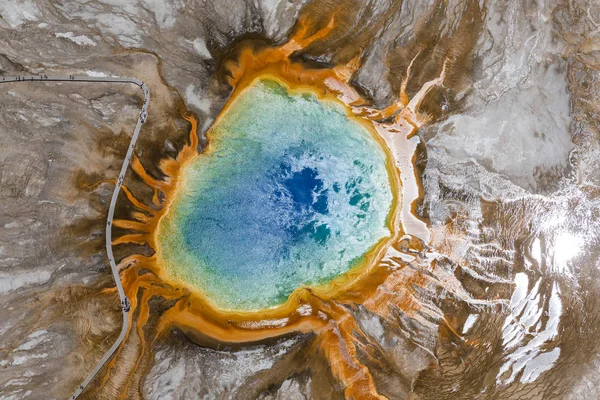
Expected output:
{"points": [[13, 281], [163, 11], [200, 47], [193, 99], [270, 5], [17, 12], [125, 30], [34, 339], [527, 334], [471, 319], [81, 40], [12, 224], [20, 360], [540, 364], [290, 389], [95, 74], [17, 382], [373, 327]]}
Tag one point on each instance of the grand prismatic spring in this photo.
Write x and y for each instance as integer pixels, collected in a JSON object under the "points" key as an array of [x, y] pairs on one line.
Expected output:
{"points": [[290, 193], [293, 208], [303, 199]]}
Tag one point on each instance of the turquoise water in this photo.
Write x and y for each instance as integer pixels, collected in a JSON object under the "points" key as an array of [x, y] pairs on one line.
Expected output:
{"points": [[292, 193]]}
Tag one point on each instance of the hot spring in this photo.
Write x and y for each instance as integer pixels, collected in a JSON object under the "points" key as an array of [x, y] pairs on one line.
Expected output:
{"points": [[291, 192]]}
